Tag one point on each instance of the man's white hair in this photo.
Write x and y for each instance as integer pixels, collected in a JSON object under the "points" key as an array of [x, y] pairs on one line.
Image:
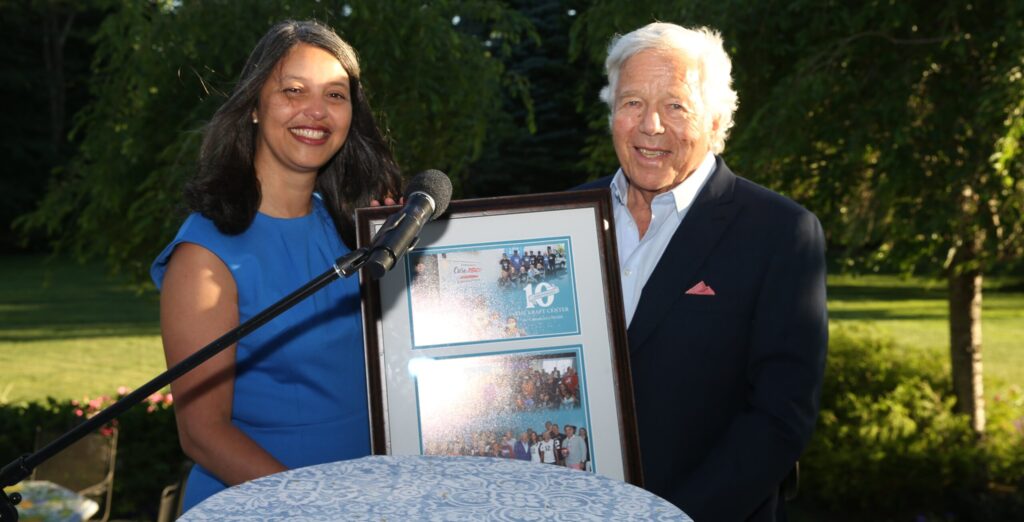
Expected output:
{"points": [[702, 46]]}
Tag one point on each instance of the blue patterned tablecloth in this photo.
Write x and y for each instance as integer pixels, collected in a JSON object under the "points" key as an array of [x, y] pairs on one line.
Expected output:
{"points": [[402, 488]]}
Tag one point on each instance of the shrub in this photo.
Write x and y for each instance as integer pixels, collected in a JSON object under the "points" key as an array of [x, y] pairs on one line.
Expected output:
{"points": [[148, 454], [888, 442]]}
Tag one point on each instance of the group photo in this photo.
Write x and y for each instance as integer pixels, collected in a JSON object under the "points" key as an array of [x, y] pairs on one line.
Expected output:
{"points": [[473, 294], [533, 266], [521, 405]]}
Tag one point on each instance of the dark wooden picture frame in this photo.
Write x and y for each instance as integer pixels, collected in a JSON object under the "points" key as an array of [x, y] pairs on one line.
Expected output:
{"points": [[449, 322]]}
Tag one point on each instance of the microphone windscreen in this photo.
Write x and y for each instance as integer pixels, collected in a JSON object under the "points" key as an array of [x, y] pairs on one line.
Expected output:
{"points": [[435, 184]]}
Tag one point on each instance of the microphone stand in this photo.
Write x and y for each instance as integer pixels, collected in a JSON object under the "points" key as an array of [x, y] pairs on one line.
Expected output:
{"points": [[22, 467]]}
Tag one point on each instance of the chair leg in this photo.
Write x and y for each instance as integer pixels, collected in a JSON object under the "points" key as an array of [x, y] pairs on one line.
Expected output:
{"points": [[107, 507]]}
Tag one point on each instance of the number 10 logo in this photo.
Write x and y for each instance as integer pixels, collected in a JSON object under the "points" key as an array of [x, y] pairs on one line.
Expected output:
{"points": [[541, 294]]}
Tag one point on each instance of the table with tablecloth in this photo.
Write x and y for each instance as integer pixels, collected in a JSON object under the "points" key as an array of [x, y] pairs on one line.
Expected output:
{"points": [[382, 488]]}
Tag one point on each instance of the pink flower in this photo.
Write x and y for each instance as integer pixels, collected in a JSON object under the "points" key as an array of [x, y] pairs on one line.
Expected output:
{"points": [[155, 398], [78, 412], [122, 390], [96, 403], [168, 399]]}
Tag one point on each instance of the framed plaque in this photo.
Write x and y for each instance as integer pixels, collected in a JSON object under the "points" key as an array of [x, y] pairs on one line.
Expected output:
{"points": [[501, 332]]}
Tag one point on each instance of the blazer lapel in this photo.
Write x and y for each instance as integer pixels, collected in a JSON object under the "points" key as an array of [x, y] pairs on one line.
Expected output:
{"points": [[693, 241]]}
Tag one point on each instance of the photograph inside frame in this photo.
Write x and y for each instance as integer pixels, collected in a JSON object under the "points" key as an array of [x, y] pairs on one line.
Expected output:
{"points": [[454, 310], [492, 292], [526, 404]]}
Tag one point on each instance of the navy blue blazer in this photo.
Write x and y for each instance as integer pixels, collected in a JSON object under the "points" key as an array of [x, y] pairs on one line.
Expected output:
{"points": [[726, 386]]}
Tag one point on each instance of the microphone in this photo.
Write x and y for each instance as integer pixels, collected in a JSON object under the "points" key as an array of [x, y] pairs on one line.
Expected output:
{"points": [[426, 198]]}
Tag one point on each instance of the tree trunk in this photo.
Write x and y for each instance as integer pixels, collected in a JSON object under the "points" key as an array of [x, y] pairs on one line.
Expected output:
{"points": [[965, 344], [55, 35]]}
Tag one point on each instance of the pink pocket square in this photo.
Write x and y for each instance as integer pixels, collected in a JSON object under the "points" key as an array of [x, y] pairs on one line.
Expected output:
{"points": [[701, 289]]}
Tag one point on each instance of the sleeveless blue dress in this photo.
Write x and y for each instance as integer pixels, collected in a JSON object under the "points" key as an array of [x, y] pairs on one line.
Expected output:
{"points": [[300, 380]]}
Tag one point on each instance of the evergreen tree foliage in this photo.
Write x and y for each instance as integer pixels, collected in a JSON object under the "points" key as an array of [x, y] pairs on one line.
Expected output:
{"points": [[536, 146]]}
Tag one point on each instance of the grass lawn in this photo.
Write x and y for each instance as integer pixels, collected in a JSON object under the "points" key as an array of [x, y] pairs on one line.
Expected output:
{"points": [[915, 312], [68, 330]]}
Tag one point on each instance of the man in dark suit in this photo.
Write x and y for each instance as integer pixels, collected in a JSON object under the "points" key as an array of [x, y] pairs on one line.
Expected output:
{"points": [[723, 285]]}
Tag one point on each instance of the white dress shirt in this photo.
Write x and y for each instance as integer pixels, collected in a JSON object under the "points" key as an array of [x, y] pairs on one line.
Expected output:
{"points": [[638, 257]]}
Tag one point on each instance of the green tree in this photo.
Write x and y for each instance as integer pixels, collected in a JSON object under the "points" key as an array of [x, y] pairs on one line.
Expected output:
{"points": [[45, 62], [536, 147], [161, 68], [898, 123]]}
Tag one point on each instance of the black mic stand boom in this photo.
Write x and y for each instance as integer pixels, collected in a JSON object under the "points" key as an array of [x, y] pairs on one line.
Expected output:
{"points": [[22, 467]]}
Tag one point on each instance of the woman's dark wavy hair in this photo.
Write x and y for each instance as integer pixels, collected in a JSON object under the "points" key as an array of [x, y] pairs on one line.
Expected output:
{"points": [[225, 188]]}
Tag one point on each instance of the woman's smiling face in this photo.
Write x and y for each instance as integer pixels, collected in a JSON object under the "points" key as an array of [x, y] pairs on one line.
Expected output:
{"points": [[304, 114]]}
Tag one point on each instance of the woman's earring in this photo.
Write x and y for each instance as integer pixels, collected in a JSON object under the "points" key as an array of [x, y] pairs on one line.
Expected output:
{"points": [[255, 120]]}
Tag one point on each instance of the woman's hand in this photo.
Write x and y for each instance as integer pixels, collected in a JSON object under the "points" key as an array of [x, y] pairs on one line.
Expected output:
{"points": [[388, 201]]}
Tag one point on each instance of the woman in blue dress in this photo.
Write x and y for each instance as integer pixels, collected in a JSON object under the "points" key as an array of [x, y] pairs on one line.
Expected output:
{"points": [[283, 165]]}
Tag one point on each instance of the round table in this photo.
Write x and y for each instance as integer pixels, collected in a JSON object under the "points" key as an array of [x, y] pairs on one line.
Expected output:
{"points": [[402, 488]]}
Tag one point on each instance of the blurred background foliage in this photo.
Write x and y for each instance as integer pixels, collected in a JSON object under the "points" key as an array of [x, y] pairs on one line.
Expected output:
{"points": [[888, 445], [898, 124], [159, 70]]}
